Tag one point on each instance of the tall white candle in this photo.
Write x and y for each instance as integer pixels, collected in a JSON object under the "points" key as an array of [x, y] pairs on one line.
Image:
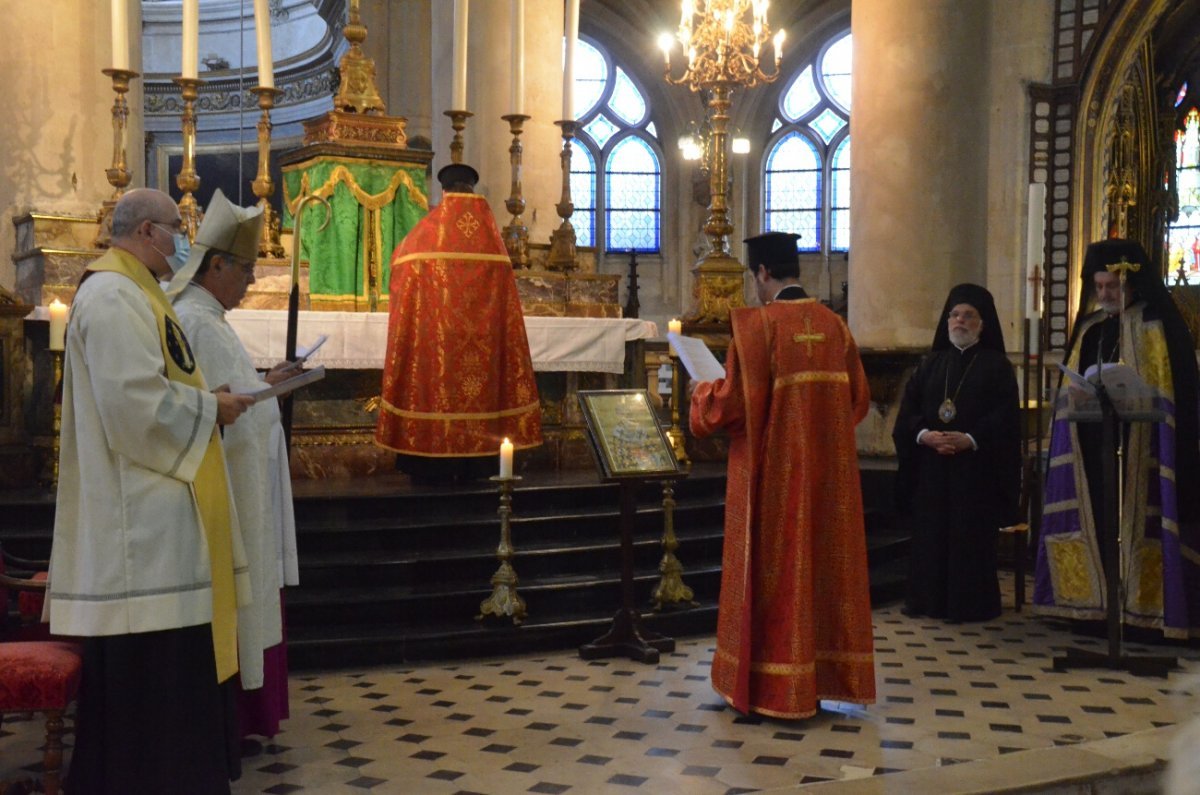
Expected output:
{"points": [[120, 34], [571, 32], [458, 88], [518, 56], [191, 39], [674, 326], [1034, 246], [506, 458], [262, 33], [58, 325]]}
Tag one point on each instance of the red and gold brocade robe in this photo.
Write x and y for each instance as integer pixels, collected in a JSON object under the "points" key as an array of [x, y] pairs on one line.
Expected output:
{"points": [[794, 621], [457, 378]]}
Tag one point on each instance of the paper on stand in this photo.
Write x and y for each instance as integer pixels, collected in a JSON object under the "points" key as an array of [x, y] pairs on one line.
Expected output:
{"points": [[284, 387], [696, 357]]}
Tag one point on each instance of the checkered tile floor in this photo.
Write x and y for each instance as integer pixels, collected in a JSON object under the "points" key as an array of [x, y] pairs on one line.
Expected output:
{"points": [[556, 724]]}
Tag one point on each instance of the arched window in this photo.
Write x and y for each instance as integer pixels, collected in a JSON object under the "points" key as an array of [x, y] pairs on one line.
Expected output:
{"points": [[807, 163], [1183, 235], [616, 139]]}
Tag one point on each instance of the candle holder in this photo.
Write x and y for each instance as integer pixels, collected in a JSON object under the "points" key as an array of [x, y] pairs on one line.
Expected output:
{"points": [[263, 185], [670, 589], [504, 600], [56, 358], [118, 174], [516, 234], [675, 432], [187, 180], [562, 241], [458, 123]]}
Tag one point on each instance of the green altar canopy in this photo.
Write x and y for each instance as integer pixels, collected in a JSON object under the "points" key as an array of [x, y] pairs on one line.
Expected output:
{"points": [[358, 159], [374, 204]]}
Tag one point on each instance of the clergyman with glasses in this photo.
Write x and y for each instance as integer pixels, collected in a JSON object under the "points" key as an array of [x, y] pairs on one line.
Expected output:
{"points": [[145, 560], [957, 439]]}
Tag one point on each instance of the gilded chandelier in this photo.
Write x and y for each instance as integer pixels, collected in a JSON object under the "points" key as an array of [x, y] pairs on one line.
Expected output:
{"points": [[723, 41]]}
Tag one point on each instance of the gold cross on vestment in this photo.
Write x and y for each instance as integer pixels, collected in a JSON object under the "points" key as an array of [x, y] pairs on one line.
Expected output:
{"points": [[808, 337]]}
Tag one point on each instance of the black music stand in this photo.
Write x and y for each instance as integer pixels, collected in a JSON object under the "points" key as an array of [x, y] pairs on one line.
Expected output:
{"points": [[1128, 400], [630, 448]]}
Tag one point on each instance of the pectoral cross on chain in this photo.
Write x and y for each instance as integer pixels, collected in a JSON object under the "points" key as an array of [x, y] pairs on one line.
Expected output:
{"points": [[808, 337], [1123, 267]]}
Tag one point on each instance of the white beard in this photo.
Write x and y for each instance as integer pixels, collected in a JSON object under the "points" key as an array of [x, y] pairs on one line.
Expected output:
{"points": [[963, 338]]}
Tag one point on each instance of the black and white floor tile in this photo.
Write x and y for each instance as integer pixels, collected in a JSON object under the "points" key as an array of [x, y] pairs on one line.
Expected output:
{"points": [[555, 724]]}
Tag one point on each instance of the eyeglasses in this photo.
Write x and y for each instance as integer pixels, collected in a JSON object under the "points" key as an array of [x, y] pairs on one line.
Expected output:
{"points": [[173, 228], [965, 316]]}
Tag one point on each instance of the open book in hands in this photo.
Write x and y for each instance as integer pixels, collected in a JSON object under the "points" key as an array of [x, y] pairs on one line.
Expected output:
{"points": [[284, 387], [696, 357]]}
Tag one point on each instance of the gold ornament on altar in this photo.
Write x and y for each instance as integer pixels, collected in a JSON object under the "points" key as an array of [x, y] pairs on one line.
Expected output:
{"points": [[357, 91], [723, 41]]}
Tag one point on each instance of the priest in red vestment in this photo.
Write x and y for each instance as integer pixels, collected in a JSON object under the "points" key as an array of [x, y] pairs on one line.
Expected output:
{"points": [[794, 620], [457, 378]]}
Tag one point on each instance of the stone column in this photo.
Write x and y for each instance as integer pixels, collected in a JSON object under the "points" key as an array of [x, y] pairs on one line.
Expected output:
{"points": [[918, 176], [56, 135], [399, 41]]}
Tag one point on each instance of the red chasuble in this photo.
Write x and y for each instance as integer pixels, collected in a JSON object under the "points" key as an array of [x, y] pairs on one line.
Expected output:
{"points": [[457, 378], [794, 621]]}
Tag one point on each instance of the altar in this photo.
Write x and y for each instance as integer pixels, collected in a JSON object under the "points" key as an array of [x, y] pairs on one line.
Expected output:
{"points": [[334, 420]]}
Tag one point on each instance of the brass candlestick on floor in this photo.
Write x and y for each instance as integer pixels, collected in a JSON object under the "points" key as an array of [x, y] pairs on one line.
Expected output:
{"points": [[516, 234], [263, 185], [118, 174], [187, 180], [504, 600], [56, 427], [562, 240], [675, 432], [670, 589]]}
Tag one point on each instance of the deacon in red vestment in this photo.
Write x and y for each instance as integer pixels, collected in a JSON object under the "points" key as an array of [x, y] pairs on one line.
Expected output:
{"points": [[794, 620], [457, 378]]}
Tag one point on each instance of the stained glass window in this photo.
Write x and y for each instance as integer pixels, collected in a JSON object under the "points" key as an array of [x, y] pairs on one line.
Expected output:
{"points": [[619, 141], [793, 190], [1183, 236], [632, 184], [807, 179], [583, 195]]}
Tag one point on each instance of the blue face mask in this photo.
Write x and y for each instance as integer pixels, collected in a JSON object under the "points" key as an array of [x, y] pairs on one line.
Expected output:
{"points": [[182, 248]]}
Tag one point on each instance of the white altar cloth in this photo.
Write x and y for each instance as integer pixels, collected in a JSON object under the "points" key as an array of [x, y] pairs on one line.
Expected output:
{"points": [[358, 340]]}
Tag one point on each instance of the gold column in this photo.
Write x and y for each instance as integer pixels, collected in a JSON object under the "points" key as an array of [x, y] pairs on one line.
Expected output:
{"points": [[562, 240], [263, 185], [516, 234], [187, 179], [118, 175]]}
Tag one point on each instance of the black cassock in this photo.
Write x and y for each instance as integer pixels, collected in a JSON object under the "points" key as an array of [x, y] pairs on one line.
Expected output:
{"points": [[955, 504]]}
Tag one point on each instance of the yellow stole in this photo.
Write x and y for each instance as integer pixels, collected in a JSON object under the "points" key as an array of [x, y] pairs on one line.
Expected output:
{"points": [[210, 488]]}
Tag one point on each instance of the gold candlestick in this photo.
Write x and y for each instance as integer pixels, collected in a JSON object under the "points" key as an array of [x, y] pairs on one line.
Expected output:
{"points": [[187, 179], [458, 123], [562, 240], [118, 175], [56, 424], [670, 589], [675, 432], [263, 185], [504, 600], [516, 234]]}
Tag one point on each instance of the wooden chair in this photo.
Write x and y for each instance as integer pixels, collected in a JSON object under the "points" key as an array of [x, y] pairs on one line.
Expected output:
{"points": [[39, 676], [1019, 533]]}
